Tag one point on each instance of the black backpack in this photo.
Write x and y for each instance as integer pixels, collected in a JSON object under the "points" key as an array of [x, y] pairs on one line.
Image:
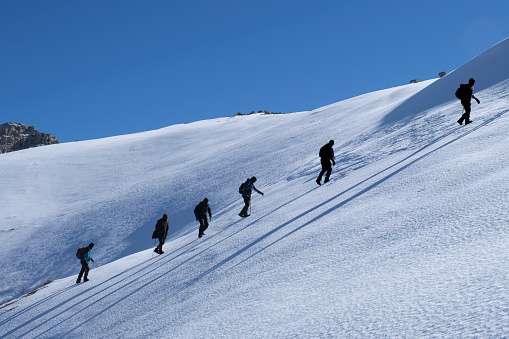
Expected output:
{"points": [[460, 92], [320, 154], [242, 186], [197, 210], [79, 253]]}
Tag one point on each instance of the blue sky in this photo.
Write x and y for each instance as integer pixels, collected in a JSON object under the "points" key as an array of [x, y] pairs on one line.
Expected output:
{"points": [[91, 69]]}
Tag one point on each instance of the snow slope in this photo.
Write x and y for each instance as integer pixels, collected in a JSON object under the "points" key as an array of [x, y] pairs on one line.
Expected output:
{"points": [[409, 239]]}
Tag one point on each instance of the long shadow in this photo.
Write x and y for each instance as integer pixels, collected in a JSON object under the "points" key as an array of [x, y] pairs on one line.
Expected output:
{"points": [[185, 251], [215, 267], [132, 271], [155, 279], [45, 299], [224, 261], [122, 284], [251, 223], [142, 286], [191, 246], [365, 190], [174, 268]]}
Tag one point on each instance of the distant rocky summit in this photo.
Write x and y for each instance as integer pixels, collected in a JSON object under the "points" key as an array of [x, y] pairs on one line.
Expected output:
{"points": [[15, 136], [254, 112]]}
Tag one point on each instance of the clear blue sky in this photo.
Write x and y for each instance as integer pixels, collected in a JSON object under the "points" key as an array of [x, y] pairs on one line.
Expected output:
{"points": [[98, 68]]}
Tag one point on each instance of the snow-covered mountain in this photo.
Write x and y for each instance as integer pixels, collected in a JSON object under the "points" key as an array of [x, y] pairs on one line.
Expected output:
{"points": [[409, 239]]}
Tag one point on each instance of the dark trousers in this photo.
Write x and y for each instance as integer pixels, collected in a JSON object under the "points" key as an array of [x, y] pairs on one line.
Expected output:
{"points": [[204, 224], [84, 269], [161, 242], [247, 201], [326, 167], [466, 115]]}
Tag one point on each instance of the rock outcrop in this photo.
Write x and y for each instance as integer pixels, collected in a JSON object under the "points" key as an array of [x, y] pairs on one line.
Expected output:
{"points": [[16, 136]]}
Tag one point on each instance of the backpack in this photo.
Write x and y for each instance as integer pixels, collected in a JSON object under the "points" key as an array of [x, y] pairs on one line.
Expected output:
{"points": [[79, 253], [325, 151], [460, 92], [241, 188]]}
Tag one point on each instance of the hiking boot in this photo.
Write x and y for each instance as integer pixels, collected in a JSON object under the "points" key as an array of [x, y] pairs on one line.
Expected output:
{"points": [[156, 250], [460, 122], [78, 281], [468, 122], [326, 180], [85, 280], [318, 182]]}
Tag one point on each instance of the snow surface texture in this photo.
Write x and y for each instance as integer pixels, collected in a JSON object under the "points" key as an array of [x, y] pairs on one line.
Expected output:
{"points": [[409, 239]]}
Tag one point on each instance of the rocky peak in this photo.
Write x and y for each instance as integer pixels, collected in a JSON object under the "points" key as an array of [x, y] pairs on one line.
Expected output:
{"points": [[15, 136]]}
